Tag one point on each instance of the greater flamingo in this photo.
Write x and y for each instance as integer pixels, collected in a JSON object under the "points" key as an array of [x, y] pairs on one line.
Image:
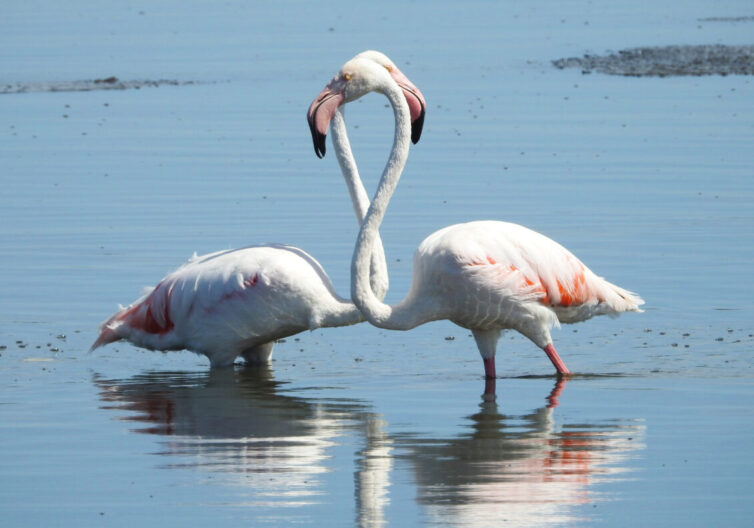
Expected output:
{"points": [[486, 276], [238, 302]]}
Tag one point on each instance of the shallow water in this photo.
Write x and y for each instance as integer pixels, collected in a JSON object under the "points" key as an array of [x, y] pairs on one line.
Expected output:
{"points": [[646, 180]]}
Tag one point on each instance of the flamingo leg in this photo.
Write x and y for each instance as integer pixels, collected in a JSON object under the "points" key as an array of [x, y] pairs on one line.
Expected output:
{"points": [[259, 354], [489, 389], [556, 361], [486, 340], [489, 367]]}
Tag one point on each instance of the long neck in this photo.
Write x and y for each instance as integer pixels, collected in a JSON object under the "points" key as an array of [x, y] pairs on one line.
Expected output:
{"points": [[341, 312], [360, 200], [376, 312]]}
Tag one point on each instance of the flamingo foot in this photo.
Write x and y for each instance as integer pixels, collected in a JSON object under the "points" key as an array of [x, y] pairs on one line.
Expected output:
{"points": [[489, 367], [556, 361]]}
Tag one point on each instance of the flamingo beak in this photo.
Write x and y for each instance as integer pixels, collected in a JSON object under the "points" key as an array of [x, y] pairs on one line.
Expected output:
{"points": [[416, 103], [320, 113]]}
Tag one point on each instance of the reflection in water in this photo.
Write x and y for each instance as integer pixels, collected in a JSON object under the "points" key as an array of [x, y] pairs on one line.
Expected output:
{"points": [[523, 470], [237, 423], [373, 475], [243, 425]]}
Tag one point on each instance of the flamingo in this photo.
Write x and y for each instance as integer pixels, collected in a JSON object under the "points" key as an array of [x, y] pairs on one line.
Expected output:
{"points": [[238, 302], [486, 276]]}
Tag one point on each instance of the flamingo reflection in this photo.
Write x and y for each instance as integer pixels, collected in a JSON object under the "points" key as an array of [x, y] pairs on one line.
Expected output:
{"points": [[241, 424], [524, 470], [249, 430]]}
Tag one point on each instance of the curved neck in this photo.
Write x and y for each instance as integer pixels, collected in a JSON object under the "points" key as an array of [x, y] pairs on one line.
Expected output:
{"points": [[359, 199], [374, 310], [341, 312], [348, 168]]}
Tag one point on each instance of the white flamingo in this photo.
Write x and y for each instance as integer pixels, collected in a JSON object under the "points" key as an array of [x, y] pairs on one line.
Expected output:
{"points": [[486, 276], [238, 302]]}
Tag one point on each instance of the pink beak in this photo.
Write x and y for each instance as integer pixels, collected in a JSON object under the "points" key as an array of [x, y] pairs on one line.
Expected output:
{"points": [[320, 113], [416, 103], [323, 109]]}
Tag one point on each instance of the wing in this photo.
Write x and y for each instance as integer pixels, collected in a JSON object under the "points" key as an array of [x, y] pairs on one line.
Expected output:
{"points": [[201, 285], [523, 265]]}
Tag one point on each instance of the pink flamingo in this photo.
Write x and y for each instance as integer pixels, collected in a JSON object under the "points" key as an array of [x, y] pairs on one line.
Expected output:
{"points": [[238, 302], [486, 276]]}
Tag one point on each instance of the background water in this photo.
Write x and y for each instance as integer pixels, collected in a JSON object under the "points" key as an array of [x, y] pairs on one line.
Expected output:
{"points": [[648, 180]]}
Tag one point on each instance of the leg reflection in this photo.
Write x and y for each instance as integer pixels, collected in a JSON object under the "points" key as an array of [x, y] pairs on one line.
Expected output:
{"points": [[552, 399]]}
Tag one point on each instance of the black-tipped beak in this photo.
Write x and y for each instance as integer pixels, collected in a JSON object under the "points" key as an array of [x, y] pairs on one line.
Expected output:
{"points": [[416, 127], [320, 113], [416, 106], [318, 139]]}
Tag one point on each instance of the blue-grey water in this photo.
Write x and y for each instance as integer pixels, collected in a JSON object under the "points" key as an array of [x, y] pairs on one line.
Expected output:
{"points": [[647, 180]]}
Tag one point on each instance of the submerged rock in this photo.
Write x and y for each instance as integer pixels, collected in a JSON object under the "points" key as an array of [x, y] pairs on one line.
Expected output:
{"points": [[748, 18], [105, 83], [665, 61]]}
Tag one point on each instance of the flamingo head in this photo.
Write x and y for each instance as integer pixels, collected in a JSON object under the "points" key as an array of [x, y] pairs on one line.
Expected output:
{"points": [[363, 74]]}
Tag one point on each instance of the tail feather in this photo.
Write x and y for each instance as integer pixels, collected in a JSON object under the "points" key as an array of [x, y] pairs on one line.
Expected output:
{"points": [[624, 300], [609, 299], [144, 323], [107, 335], [111, 329]]}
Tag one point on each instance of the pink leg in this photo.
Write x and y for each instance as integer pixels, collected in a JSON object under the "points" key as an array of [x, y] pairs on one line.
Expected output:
{"points": [[555, 358], [489, 367], [489, 389]]}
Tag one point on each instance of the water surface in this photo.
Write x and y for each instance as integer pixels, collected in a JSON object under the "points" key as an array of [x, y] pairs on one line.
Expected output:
{"points": [[648, 180]]}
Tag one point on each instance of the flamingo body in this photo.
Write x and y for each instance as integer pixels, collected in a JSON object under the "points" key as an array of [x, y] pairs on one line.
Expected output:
{"points": [[238, 302], [232, 303], [486, 276], [491, 276]]}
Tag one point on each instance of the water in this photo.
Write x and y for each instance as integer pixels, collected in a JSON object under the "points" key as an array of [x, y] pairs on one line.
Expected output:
{"points": [[647, 180]]}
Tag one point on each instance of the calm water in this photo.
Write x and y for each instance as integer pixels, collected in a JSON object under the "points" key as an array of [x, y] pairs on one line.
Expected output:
{"points": [[647, 180]]}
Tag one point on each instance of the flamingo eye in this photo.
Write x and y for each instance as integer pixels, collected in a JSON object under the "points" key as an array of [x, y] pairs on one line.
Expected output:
{"points": [[347, 76], [389, 68]]}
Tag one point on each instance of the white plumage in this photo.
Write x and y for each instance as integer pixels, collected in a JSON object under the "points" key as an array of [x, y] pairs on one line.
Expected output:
{"points": [[486, 276], [238, 302], [233, 303]]}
